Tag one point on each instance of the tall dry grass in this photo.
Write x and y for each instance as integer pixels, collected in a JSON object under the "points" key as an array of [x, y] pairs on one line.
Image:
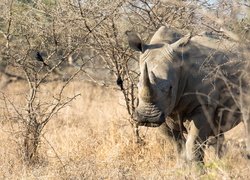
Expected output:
{"points": [[91, 138]]}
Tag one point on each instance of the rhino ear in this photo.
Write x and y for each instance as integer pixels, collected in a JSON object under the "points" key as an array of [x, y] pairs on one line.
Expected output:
{"points": [[135, 41], [181, 42]]}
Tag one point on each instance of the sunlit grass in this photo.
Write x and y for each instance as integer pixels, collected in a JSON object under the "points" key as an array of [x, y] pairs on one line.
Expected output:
{"points": [[91, 138]]}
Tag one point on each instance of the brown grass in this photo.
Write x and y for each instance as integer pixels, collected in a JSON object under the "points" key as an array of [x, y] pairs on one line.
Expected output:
{"points": [[92, 139]]}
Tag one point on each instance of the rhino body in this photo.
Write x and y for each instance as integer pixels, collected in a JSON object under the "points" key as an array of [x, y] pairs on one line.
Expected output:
{"points": [[188, 85]]}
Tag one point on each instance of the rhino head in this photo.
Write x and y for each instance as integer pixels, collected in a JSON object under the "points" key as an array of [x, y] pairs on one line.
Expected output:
{"points": [[159, 78]]}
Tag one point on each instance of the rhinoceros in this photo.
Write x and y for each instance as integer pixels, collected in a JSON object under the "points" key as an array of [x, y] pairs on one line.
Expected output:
{"points": [[188, 86]]}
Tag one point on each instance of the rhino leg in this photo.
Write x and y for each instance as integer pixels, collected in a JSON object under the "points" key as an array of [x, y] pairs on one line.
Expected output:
{"points": [[247, 124], [173, 135], [198, 132], [217, 144]]}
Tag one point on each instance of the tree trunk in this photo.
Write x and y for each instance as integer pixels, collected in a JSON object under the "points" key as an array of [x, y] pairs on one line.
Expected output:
{"points": [[31, 141]]}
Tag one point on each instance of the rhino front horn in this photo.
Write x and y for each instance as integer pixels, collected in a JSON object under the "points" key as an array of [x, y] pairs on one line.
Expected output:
{"points": [[148, 92]]}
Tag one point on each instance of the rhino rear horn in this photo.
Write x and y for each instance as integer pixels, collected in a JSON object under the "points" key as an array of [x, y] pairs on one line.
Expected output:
{"points": [[148, 92]]}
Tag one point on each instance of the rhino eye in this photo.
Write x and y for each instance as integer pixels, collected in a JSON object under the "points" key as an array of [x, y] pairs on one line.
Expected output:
{"points": [[170, 89]]}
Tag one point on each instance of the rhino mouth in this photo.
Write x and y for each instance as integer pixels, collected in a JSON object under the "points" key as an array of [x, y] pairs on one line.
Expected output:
{"points": [[149, 120]]}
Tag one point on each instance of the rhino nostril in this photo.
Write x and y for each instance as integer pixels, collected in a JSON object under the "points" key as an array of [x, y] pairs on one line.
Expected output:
{"points": [[162, 118]]}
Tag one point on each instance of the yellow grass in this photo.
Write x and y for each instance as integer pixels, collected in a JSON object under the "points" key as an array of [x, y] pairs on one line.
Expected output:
{"points": [[92, 139]]}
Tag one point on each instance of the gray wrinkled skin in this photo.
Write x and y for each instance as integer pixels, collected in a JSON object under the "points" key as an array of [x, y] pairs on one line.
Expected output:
{"points": [[183, 88]]}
